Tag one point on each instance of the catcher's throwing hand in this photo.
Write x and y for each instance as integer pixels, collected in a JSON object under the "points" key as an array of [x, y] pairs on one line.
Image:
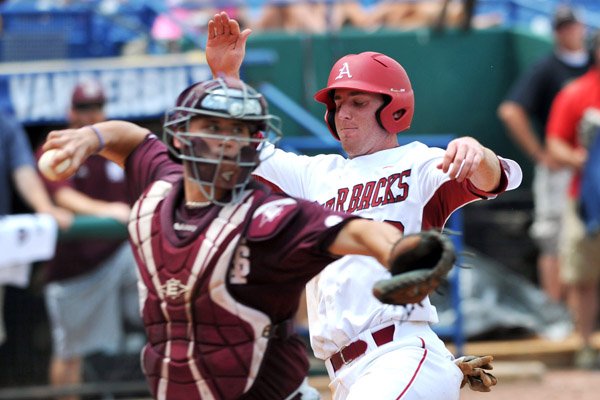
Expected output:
{"points": [[418, 263], [475, 373]]}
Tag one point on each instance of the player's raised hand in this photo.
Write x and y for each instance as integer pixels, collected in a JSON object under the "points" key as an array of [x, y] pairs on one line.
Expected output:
{"points": [[226, 45], [462, 159]]}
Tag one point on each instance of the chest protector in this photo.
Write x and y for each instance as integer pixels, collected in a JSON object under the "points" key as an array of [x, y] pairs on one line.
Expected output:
{"points": [[202, 343]]}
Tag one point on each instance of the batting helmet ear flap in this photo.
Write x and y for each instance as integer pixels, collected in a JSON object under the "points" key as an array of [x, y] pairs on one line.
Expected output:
{"points": [[397, 120], [330, 115], [386, 100]]}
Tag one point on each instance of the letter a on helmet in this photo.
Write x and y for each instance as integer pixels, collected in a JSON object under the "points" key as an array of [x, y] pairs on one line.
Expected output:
{"points": [[344, 71]]}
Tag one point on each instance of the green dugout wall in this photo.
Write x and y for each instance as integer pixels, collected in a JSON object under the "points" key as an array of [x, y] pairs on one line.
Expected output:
{"points": [[459, 78]]}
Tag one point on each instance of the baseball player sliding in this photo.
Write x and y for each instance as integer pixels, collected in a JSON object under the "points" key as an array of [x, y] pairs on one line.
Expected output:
{"points": [[371, 349]]}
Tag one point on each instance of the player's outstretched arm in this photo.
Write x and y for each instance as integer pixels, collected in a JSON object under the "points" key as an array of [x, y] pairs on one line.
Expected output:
{"points": [[226, 46], [114, 140], [466, 158]]}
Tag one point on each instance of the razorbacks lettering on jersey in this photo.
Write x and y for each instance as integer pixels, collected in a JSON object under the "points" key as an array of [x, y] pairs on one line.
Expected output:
{"points": [[217, 300], [401, 185]]}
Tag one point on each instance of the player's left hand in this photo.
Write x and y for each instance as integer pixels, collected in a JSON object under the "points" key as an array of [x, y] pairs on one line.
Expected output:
{"points": [[462, 158], [474, 369], [226, 45]]}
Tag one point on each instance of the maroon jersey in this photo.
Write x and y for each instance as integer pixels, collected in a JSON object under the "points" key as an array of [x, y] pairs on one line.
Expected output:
{"points": [[217, 299]]}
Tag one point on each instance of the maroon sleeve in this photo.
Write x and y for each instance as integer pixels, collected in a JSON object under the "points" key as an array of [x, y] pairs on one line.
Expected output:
{"points": [[452, 195], [501, 188], [148, 163], [298, 249]]}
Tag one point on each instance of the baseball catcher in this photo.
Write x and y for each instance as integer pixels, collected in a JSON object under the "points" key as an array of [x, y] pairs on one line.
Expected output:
{"points": [[418, 263]]}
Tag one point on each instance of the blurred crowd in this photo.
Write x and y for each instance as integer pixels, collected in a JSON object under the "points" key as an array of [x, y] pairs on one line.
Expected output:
{"points": [[122, 27], [176, 25], [316, 17]]}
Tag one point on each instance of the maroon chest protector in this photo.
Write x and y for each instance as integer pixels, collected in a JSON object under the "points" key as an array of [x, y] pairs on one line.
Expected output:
{"points": [[202, 343]]}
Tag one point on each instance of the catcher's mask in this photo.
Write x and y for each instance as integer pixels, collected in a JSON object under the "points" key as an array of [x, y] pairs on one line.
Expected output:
{"points": [[374, 73], [223, 148]]}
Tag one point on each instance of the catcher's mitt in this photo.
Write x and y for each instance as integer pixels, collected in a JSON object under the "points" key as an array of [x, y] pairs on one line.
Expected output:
{"points": [[475, 373], [418, 264]]}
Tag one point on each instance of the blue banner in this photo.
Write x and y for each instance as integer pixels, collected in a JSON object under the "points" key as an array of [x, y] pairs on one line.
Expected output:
{"points": [[136, 88]]}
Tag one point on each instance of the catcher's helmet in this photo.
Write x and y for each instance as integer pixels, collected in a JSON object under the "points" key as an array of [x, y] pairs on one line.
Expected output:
{"points": [[220, 98], [375, 73]]}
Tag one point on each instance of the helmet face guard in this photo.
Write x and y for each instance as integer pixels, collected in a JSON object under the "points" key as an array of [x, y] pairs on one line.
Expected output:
{"points": [[208, 155], [373, 73]]}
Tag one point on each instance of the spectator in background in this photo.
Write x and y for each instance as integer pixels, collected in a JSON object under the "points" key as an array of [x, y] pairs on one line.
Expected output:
{"points": [[17, 166], [525, 113], [572, 117], [348, 13], [91, 283], [292, 16], [408, 14]]}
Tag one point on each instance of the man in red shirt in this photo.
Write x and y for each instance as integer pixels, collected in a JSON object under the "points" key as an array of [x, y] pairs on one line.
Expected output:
{"points": [[573, 116]]}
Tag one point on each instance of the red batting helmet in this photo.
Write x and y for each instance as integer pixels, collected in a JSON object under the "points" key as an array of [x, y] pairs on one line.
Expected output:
{"points": [[374, 73]]}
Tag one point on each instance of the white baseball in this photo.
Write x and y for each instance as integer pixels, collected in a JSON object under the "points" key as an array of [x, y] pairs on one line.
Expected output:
{"points": [[45, 165]]}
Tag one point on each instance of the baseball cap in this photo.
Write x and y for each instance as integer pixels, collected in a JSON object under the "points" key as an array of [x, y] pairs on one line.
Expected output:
{"points": [[88, 93], [564, 15]]}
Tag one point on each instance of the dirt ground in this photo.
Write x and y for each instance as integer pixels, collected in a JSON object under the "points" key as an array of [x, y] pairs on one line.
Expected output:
{"points": [[559, 384]]}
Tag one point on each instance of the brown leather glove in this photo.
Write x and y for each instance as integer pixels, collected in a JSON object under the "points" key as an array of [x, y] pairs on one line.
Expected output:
{"points": [[418, 263], [474, 369]]}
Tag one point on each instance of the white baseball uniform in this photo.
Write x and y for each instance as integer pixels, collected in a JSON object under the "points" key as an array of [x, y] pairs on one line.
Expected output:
{"points": [[404, 186]]}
